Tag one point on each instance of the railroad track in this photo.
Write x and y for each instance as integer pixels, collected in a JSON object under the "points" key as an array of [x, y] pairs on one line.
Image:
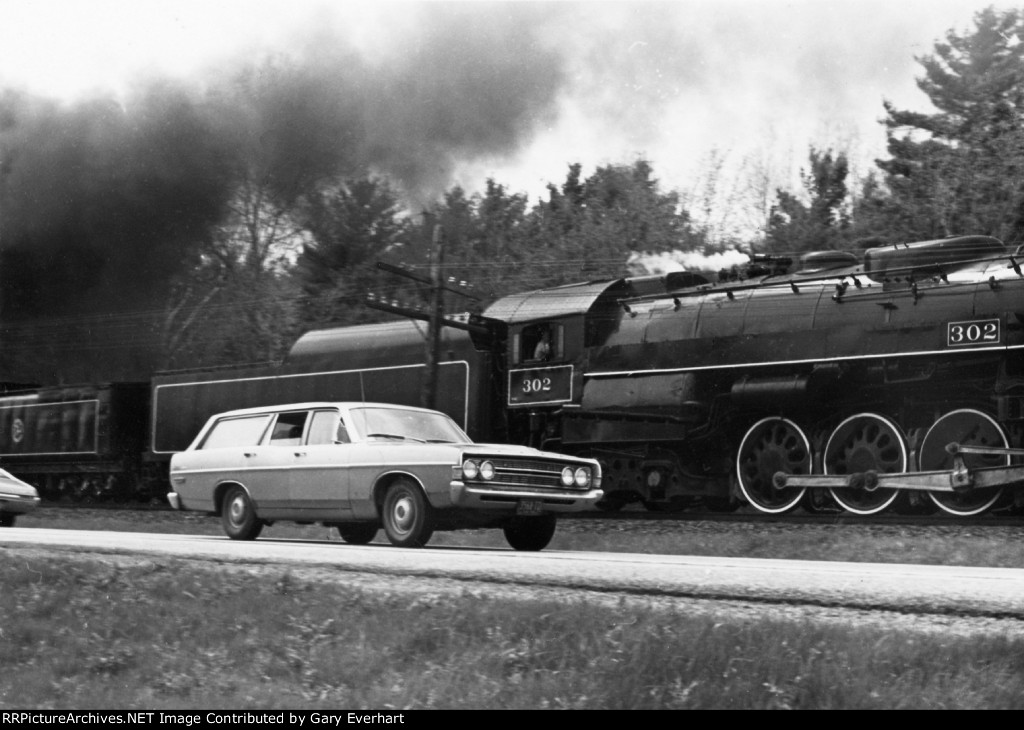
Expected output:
{"points": [[1005, 518]]}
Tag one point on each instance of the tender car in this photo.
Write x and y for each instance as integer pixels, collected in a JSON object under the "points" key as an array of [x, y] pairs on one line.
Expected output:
{"points": [[361, 466], [16, 498]]}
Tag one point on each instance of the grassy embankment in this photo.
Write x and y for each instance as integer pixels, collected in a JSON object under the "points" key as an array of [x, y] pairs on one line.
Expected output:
{"points": [[168, 634]]}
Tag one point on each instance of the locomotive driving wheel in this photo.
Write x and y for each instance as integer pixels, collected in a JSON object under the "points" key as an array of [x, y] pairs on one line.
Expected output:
{"points": [[968, 427], [772, 445], [864, 443]]}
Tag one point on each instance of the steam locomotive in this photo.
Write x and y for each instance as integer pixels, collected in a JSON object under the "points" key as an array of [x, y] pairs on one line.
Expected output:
{"points": [[890, 381]]}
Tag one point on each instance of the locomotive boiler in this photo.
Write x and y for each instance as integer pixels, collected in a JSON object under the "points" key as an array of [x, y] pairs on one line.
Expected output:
{"points": [[836, 376]]}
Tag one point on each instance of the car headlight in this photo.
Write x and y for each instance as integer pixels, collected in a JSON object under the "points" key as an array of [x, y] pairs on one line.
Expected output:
{"points": [[470, 470], [582, 477], [568, 477], [487, 471]]}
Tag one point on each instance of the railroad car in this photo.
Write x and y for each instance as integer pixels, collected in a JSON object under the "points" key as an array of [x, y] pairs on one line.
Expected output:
{"points": [[888, 381], [81, 442]]}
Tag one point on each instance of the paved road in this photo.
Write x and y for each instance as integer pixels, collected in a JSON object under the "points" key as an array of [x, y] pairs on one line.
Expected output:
{"points": [[993, 592]]}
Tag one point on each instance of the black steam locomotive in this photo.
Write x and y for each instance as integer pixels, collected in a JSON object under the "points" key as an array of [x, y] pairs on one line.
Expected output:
{"points": [[894, 381]]}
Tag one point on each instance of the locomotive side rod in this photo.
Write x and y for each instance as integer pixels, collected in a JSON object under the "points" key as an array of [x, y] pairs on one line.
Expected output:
{"points": [[960, 478]]}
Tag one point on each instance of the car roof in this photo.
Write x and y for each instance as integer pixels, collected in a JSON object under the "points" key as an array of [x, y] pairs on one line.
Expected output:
{"points": [[317, 404]]}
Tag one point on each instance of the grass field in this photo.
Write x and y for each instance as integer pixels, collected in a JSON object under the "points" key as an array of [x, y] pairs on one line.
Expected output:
{"points": [[168, 634], [97, 633]]}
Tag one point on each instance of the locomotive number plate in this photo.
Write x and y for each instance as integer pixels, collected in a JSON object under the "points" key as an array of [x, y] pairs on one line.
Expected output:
{"points": [[535, 386], [979, 332]]}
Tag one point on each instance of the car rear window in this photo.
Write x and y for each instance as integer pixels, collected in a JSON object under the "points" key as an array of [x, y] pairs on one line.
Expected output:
{"points": [[241, 431]]}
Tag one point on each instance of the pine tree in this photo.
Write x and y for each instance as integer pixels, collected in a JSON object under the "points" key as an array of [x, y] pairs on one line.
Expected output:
{"points": [[959, 169], [352, 224], [819, 224]]}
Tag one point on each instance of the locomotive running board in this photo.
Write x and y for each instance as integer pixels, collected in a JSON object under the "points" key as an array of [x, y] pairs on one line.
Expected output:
{"points": [[958, 479]]}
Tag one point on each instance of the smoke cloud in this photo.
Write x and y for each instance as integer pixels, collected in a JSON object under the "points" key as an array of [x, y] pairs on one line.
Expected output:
{"points": [[105, 199]]}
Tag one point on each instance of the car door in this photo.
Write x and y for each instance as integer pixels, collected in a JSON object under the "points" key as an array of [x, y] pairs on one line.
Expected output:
{"points": [[320, 476], [269, 465]]}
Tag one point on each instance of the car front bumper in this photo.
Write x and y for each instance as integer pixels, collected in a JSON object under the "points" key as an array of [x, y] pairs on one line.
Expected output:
{"points": [[507, 499]]}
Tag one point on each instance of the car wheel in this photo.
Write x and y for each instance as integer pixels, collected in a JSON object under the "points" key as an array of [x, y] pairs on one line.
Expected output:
{"points": [[408, 517], [358, 533], [7, 519], [530, 533], [238, 516]]}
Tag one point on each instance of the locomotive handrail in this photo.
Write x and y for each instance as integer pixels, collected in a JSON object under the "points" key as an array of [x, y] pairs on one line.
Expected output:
{"points": [[729, 288], [795, 279], [882, 291]]}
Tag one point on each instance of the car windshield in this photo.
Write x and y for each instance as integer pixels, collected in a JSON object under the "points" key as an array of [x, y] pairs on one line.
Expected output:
{"points": [[399, 423]]}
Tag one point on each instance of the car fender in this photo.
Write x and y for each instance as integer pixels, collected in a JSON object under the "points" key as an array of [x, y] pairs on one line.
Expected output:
{"points": [[221, 490], [437, 498]]}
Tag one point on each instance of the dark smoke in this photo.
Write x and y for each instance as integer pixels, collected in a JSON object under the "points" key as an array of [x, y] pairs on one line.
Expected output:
{"points": [[104, 201], [99, 200]]}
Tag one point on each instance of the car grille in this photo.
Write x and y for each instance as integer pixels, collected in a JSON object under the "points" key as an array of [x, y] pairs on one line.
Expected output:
{"points": [[528, 473]]}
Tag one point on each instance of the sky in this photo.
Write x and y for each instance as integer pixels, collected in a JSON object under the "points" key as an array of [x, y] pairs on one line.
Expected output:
{"points": [[690, 85]]}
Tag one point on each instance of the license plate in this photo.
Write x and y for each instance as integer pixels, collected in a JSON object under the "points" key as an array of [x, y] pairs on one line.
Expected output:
{"points": [[530, 507]]}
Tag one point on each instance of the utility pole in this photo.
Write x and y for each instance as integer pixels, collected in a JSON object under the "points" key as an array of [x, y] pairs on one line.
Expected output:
{"points": [[429, 397]]}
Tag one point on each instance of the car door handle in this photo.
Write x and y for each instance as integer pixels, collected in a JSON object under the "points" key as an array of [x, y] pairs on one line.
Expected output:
{"points": [[250, 453], [300, 453]]}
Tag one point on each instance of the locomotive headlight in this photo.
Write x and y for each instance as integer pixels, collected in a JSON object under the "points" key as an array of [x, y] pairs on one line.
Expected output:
{"points": [[582, 477], [470, 470], [487, 471], [568, 477]]}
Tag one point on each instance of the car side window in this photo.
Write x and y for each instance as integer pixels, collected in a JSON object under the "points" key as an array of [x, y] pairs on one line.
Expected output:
{"points": [[244, 431], [327, 428], [288, 429]]}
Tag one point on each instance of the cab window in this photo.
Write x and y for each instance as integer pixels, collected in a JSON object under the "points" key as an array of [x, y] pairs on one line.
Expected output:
{"points": [[288, 429], [540, 343], [242, 431]]}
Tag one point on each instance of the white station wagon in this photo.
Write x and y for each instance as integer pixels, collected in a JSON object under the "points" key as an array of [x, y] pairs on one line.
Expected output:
{"points": [[361, 466]]}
